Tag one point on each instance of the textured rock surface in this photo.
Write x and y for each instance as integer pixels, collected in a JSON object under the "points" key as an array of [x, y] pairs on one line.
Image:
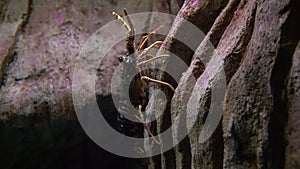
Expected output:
{"points": [[257, 41], [40, 41], [293, 124], [202, 14]]}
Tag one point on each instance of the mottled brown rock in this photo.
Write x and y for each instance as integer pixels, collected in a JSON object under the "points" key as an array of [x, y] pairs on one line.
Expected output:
{"points": [[257, 48], [188, 80], [13, 19], [202, 14], [293, 124], [40, 43], [228, 52], [254, 92]]}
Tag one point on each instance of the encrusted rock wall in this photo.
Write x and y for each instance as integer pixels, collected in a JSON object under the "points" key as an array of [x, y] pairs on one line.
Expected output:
{"points": [[257, 42], [40, 41]]}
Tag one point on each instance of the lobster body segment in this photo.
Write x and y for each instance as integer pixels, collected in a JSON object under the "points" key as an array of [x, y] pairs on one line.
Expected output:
{"points": [[126, 107], [135, 77]]}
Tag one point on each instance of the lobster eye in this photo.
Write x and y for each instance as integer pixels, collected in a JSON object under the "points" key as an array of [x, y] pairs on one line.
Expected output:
{"points": [[121, 59]]}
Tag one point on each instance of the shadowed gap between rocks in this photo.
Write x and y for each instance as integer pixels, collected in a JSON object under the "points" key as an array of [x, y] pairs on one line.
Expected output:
{"points": [[282, 67]]}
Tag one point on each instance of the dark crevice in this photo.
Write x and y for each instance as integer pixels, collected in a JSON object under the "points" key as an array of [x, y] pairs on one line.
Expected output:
{"points": [[27, 144], [180, 3], [164, 125], [185, 149], [278, 120], [218, 154], [3, 9], [156, 161]]}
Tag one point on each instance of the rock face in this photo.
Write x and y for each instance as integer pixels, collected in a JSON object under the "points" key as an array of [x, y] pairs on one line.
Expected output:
{"points": [[253, 44], [293, 122], [39, 46], [40, 42], [256, 42]]}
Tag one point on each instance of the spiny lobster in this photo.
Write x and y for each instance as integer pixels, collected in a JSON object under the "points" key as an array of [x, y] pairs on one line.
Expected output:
{"points": [[132, 62]]}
